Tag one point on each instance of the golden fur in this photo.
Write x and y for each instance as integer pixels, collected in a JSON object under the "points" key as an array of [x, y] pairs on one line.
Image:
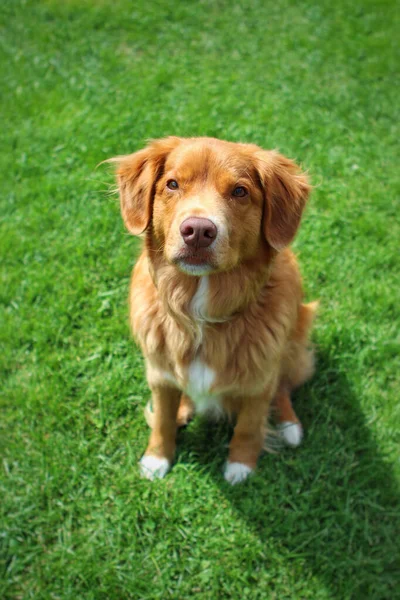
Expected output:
{"points": [[250, 330]]}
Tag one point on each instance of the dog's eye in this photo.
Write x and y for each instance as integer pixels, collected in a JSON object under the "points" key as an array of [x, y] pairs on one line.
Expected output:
{"points": [[172, 184], [239, 192]]}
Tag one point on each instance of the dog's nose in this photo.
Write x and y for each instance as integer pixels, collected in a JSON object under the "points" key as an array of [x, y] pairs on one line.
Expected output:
{"points": [[198, 232]]}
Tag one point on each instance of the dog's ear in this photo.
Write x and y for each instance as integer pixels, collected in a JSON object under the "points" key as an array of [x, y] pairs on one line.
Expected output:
{"points": [[285, 190], [137, 175]]}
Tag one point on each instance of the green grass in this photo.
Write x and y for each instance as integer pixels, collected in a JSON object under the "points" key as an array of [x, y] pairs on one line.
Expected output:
{"points": [[86, 80]]}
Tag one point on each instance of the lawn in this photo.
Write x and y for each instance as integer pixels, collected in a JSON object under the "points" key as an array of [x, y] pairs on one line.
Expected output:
{"points": [[82, 81]]}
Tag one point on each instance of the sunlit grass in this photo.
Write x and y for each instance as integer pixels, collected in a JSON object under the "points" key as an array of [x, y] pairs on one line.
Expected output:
{"points": [[83, 81]]}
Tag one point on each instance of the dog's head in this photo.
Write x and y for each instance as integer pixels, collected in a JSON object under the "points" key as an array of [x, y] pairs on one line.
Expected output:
{"points": [[208, 205]]}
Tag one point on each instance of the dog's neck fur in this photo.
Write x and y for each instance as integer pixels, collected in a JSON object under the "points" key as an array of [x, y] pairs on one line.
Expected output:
{"points": [[225, 294]]}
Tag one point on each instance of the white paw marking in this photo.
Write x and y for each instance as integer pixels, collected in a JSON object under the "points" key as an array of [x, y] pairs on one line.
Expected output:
{"points": [[152, 467], [291, 433], [236, 472]]}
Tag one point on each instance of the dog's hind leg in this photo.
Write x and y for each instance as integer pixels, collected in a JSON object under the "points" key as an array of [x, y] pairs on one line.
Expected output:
{"points": [[285, 417], [298, 367], [185, 411], [185, 414]]}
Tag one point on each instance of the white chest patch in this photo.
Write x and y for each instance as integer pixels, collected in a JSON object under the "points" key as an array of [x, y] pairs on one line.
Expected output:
{"points": [[199, 382], [200, 377], [198, 305]]}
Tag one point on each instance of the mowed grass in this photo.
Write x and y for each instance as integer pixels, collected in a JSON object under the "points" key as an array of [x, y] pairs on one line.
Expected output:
{"points": [[83, 81]]}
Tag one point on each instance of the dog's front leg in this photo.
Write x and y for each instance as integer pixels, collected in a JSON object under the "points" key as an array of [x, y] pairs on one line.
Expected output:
{"points": [[248, 438], [158, 457]]}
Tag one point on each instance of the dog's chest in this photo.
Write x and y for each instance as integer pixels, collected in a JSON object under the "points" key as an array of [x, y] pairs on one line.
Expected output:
{"points": [[200, 376], [200, 379]]}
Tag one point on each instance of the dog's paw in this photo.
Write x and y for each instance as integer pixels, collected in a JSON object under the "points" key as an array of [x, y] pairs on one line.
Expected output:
{"points": [[236, 472], [291, 433], [152, 467]]}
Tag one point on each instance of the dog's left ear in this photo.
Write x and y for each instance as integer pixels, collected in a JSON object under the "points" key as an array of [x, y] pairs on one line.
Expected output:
{"points": [[137, 175], [286, 190]]}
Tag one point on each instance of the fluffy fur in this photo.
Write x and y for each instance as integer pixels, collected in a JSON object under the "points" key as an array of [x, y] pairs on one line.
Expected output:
{"points": [[223, 327]]}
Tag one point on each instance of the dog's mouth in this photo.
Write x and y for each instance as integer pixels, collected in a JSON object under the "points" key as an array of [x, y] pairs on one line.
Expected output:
{"points": [[195, 262]]}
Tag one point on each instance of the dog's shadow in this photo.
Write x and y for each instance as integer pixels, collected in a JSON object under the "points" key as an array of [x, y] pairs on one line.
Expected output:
{"points": [[332, 503]]}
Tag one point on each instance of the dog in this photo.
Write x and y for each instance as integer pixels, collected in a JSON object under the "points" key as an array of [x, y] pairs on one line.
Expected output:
{"points": [[216, 294]]}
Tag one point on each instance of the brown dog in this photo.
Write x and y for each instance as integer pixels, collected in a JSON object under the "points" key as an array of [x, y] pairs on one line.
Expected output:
{"points": [[216, 297]]}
